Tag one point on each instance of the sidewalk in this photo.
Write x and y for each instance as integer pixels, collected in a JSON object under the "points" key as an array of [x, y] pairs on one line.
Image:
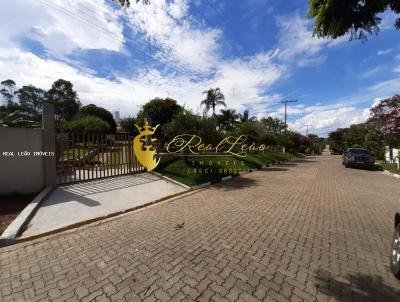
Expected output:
{"points": [[83, 201]]}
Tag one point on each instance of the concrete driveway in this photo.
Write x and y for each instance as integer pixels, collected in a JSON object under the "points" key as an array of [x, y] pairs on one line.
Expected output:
{"points": [[309, 230], [79, 202]]}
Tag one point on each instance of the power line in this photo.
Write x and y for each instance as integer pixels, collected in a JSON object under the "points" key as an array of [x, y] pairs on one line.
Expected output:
{"points": [[108, 32], [231, 30], [225, 21]]}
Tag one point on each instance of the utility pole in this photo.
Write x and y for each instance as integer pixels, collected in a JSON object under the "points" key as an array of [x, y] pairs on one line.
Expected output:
{"points": [[286, 102], [307, 129]]}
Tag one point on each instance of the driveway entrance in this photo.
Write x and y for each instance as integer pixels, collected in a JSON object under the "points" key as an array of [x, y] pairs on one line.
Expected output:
{"points": [[76, 203]]}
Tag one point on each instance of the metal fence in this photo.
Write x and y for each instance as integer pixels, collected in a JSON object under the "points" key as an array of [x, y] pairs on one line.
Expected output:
{"points": [[83, 157]]}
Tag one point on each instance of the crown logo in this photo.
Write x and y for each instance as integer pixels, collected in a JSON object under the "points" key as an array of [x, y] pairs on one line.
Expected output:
{"points": [[144, 148]]}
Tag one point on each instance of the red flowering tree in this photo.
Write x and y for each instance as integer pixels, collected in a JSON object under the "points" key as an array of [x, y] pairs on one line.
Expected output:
{"points": [[385, 120]]}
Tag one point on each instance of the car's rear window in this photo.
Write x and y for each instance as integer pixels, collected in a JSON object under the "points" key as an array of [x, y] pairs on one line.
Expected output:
{"points": [[358, 151]]}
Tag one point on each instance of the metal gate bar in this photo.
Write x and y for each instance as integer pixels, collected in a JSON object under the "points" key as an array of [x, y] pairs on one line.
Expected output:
{"points": [[83, 157]]}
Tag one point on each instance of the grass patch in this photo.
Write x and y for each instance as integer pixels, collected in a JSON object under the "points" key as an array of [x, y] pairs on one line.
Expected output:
{"points": [[390, 167], [192, 170]]}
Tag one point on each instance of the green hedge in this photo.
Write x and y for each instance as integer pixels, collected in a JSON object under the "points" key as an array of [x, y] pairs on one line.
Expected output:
{"points": [[182, 170]]}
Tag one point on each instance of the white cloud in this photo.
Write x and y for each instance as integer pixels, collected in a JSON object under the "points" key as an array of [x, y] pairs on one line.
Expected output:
{"points": [[178, 37], [388, 20], [239, 80], [323, 121], [382, 52], [297, 44], [180, 40], [371, 72], [62, 26]]}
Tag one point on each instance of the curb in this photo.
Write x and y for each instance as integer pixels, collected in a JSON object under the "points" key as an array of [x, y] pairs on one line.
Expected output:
{"points": [[201, 186], [171, 180], [17, 225], [392, 174], [97, 219], [226, 178]]}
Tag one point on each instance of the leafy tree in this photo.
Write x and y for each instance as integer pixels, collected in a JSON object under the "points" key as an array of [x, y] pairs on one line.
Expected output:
{"points": [[185, 122], [318, 146], [354, 136], [86, 124], [375, 145], [385, 120], [335, 18], [227, 119], [101, 113], [273, 125], [214, 98], [360, 135], [253, 130], [64, 98], [336, 140], [270, 139], [8, 91], [159, 111], [311, 143], [290, 140], [245, 117], [31, 101], [128, 124]]}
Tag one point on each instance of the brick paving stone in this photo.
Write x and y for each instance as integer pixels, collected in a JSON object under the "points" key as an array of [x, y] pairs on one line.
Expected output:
{"points": [[307, 230]]}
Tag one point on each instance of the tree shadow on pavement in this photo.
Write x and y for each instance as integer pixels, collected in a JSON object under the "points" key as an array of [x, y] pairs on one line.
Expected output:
{"points": [[237, 183], [356, 287], [301, 160], [373, 169], [274, 169], [291, 164], [59, 195]]}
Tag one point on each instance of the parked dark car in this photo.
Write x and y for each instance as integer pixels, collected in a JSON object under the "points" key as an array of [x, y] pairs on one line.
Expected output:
{"points": [[353, 157], [395, 255]]}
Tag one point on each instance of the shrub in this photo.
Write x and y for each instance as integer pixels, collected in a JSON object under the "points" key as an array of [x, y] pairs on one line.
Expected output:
{"points": [[99, 112], [87, 124]]}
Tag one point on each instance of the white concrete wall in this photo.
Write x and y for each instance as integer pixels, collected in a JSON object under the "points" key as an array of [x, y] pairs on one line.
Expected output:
{"points": [[21, 174]]}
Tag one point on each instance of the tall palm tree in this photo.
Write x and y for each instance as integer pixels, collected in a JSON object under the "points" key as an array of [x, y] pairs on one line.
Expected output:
{"points": [[214, 98]]}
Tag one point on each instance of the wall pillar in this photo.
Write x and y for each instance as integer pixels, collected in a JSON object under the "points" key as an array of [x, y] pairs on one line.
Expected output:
{"points": [[49, 145]]}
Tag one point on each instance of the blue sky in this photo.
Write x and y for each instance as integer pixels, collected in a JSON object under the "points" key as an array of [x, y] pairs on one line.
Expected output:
{"points": [[259, 52]]}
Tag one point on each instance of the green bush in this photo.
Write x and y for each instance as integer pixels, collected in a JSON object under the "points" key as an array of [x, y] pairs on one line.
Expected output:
{"points": [[178, 169], [87, 124], [254, 131], [101, 113]]}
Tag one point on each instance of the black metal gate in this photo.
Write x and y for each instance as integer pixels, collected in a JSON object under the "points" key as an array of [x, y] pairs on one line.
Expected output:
{"points": [[83, 157]]}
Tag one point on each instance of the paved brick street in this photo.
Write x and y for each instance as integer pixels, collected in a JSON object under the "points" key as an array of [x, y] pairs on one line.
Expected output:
{"points": [[309, 230]]}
